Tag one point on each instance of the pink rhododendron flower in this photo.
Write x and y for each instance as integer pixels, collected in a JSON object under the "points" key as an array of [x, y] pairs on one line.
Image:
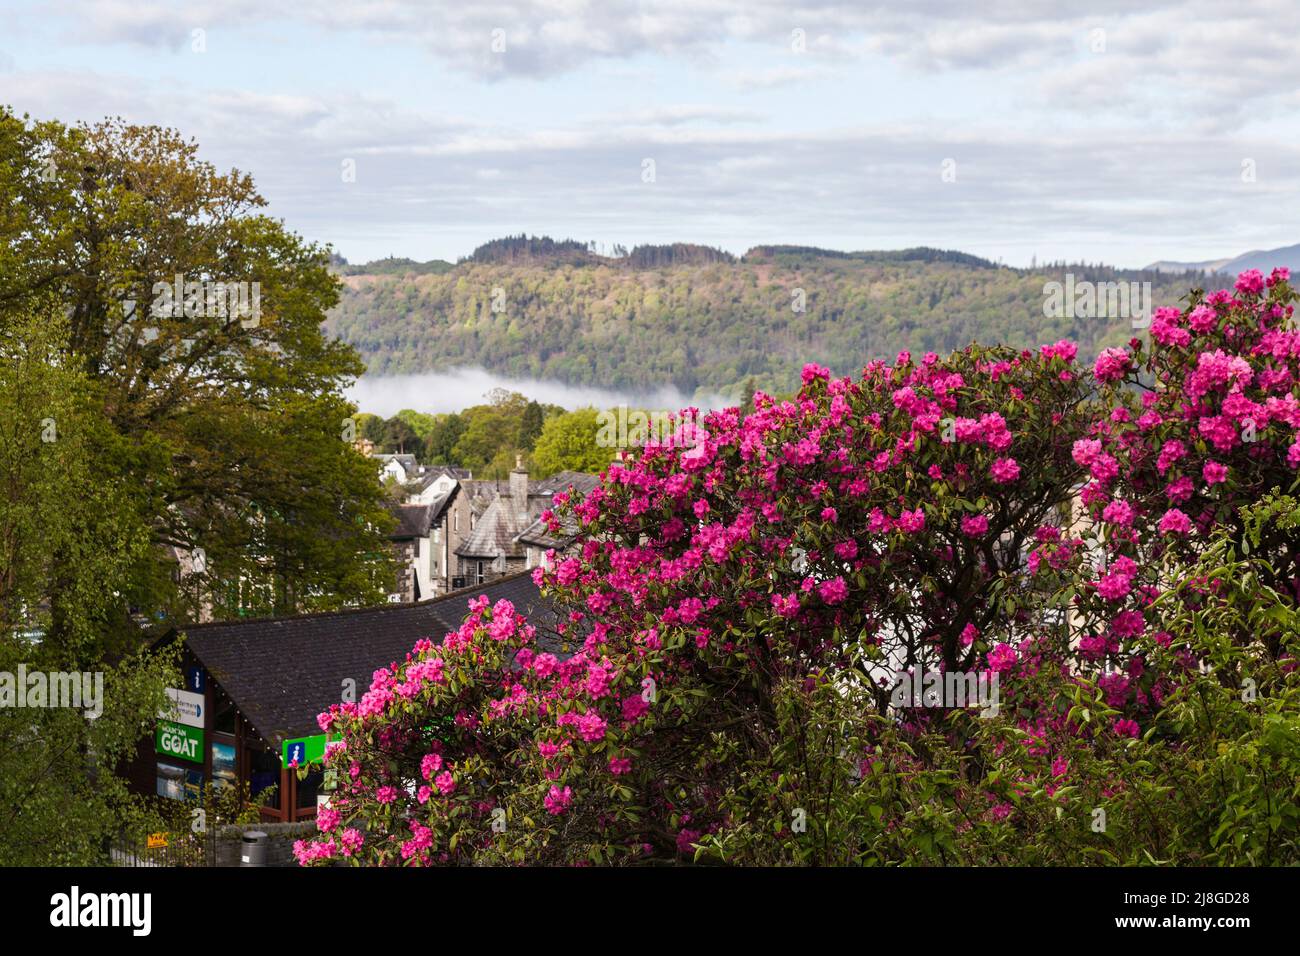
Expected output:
{"points": [[1174, 520], [911, 522], [591, 727], [429, 765], [1111, 365], [833, 591], [1118, 512], [557, 800], [1127, 728], [1005, 470], [1002, 658], [1114, 586]]}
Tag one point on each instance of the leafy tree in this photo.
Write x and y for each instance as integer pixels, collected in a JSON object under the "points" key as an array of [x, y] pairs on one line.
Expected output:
{"points": [[570, 442], [440, 445], [75, 551], [61, 801], [400, 436], [74, 530], [530, 427], [421, 423], [236, 399], [490, 438], [370, 427]]}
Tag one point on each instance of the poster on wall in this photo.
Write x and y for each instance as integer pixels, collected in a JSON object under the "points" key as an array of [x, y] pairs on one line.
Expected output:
{"points": [[171, 782], [223, 765], [179, 783]]}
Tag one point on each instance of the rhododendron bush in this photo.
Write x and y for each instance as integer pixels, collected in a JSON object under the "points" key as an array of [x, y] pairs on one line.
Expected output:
{"points": [[1210, 422], [743, 597]]}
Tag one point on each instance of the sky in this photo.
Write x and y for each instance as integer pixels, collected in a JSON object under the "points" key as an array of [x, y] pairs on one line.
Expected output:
{"points": [[1120, 132]]}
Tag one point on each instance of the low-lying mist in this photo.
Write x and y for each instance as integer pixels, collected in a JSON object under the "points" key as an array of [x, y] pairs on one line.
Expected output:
{"points": [[458, 389]]}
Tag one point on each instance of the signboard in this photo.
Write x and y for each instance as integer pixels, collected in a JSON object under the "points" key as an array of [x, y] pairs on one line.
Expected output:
{"points": [[186, 708], [303, 751], [177, 740], [194, 680], [157, 840]]}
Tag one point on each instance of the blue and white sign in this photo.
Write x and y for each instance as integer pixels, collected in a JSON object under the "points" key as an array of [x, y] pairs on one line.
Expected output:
{"points": [[186, 708], [195, 680]]}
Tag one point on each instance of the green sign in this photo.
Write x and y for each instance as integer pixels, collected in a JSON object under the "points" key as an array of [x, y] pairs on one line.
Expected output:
{"points": [[303, 751], [177, 740]]}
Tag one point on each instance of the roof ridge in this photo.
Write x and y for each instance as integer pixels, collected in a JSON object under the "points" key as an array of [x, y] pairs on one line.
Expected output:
{"points": [[345, 611]]}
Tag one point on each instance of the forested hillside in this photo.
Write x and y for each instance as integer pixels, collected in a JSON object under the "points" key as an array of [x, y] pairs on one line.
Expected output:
{"points": [[697, 318]]}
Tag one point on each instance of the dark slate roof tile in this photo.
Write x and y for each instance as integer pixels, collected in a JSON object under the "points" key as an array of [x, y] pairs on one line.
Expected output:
{"points": [[282, 672]]}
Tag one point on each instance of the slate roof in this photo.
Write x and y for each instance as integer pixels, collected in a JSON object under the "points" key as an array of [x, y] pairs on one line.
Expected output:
{"points": [[430, 475], [582, 483], [413, 521], [495, 531], [499, 528], [282, 672], [537, 533], [440, 503], [408, 462]]}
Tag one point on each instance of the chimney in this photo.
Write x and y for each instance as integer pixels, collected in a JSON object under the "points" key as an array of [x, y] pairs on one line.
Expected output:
{"points": [[519, 486]]}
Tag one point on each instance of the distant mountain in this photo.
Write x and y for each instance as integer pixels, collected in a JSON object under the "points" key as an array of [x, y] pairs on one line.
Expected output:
{"points": [[1262, 259], [1209, 265], [394, 267], [698, 318]]}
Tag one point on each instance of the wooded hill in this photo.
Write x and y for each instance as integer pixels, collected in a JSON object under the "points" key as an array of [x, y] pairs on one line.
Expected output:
{"points": [[699, 318]]}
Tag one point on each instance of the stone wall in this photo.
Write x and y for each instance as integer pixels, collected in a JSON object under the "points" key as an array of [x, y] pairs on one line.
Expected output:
{"points": [[279, 841]]}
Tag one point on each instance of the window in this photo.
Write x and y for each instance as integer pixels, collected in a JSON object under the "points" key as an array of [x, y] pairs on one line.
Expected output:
{"points": [[223, 721], [308, 788], [264, 774]]}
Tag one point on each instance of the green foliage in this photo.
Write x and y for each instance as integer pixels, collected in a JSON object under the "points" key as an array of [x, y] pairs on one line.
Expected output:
{"points": [[530, 427], [708, 323], [440, 445], [569, 441], [69, 515], [229, 430], [60, 800]]}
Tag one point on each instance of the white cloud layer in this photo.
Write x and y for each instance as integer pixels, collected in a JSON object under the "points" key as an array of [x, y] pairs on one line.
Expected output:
{"points": [[1118, 132]]}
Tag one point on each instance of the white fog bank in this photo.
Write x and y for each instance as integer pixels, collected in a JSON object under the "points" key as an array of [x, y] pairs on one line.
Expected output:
{"points": [[457, 389]]}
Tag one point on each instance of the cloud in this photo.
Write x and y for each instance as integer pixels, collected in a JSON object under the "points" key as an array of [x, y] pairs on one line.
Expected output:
{"points": [[1124, 152], [776, 76]]}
